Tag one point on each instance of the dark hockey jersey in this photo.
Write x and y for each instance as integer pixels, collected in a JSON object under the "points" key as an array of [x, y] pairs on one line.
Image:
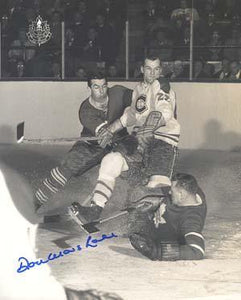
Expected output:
{"points": [[92, 118], [184, 224]]}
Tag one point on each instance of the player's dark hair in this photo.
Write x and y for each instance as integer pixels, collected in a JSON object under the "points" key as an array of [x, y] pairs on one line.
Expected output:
{"points": [[95, 75], [187, 182], [151, 57]]}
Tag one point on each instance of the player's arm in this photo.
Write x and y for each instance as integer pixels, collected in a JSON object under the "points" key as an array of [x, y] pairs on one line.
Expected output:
{"points": [[194, 249], [90, 119], [127, 97], [126, 120], [165, 106], [193, 245]]}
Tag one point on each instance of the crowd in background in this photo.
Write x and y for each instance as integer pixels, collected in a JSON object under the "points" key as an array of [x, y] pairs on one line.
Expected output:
{"points": [[94, 34]]}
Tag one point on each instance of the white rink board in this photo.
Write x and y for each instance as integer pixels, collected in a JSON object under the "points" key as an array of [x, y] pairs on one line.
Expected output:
{"points": [[209, 113]]}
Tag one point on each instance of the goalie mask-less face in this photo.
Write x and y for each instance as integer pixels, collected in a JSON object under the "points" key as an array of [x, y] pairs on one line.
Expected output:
{"points": [[176, 194], [151, 70]]}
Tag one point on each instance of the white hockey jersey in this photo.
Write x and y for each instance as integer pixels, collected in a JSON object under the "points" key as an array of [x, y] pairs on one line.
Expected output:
{"points": [[151, 97]]}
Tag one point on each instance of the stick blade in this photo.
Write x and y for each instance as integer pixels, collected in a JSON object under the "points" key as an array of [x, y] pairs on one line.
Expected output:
{"points": [[20, 132], [90, 227]]}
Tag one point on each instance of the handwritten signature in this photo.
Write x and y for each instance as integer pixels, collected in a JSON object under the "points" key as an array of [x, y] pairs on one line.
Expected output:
{"points": [[25, 264]]}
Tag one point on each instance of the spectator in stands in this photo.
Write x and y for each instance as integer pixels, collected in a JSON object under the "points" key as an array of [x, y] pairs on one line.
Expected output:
{"points": [[56, 70], [215, 51], [184, 12], [111, 10], [112, 71], [115, 12], [106, 38], [236, 21], [152, 28], [165, 8], [206, 24], [91, 49], [18, 70], [40, 65], [229, 52], [56, 28], [149, 18], [17, 15], [79, 29], [81, 73], [21, 48], [137, 71], [54, 5], [227, 9], [209, 69], [150, 13], [162, 45], [235, 71], [199, 70], [207, 9], [82, 9], [5, 30], [69, 37], [178, 70], [223, 73], [182, 40], [210, 25]]}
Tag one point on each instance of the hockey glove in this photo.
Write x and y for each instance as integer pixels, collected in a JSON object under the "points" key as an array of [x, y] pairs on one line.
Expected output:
{"points": [[145, 245], [106, 133], [104, 136]]}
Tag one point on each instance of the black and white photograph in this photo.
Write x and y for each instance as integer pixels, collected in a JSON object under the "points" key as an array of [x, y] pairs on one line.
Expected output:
{"points": [[120, 149]]}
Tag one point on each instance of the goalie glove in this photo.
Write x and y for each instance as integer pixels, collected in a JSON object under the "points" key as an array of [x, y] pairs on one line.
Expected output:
{"points": [[165, 251], [145, 199], [145, 245]]}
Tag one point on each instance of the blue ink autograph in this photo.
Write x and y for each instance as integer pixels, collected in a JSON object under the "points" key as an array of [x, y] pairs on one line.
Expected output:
{"points": [[25, 264]]}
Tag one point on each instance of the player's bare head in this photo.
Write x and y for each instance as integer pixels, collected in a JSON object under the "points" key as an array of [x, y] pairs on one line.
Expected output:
{"points": [[183, 186], [97, 83], [151, 68]]}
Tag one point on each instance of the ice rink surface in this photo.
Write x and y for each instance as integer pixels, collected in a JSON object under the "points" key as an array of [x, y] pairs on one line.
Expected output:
{"points": [[113, 265]]}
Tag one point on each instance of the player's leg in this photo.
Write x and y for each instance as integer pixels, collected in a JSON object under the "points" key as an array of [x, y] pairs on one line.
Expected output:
{"points": [[159, 162], [110, 169], [112, 165], [78, 160]]}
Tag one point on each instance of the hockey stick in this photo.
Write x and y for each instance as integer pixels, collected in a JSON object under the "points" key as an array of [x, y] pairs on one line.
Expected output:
{"points": [[22, 139], [91, 226]]}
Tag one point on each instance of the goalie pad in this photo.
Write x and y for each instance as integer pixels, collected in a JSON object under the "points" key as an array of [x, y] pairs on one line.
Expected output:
{"points": [[153, 121], [145, 133], [168, 251]]}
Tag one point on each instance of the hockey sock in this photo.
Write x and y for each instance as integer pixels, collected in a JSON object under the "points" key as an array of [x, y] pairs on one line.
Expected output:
{"points": [[111, 167], [50, 185]]}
